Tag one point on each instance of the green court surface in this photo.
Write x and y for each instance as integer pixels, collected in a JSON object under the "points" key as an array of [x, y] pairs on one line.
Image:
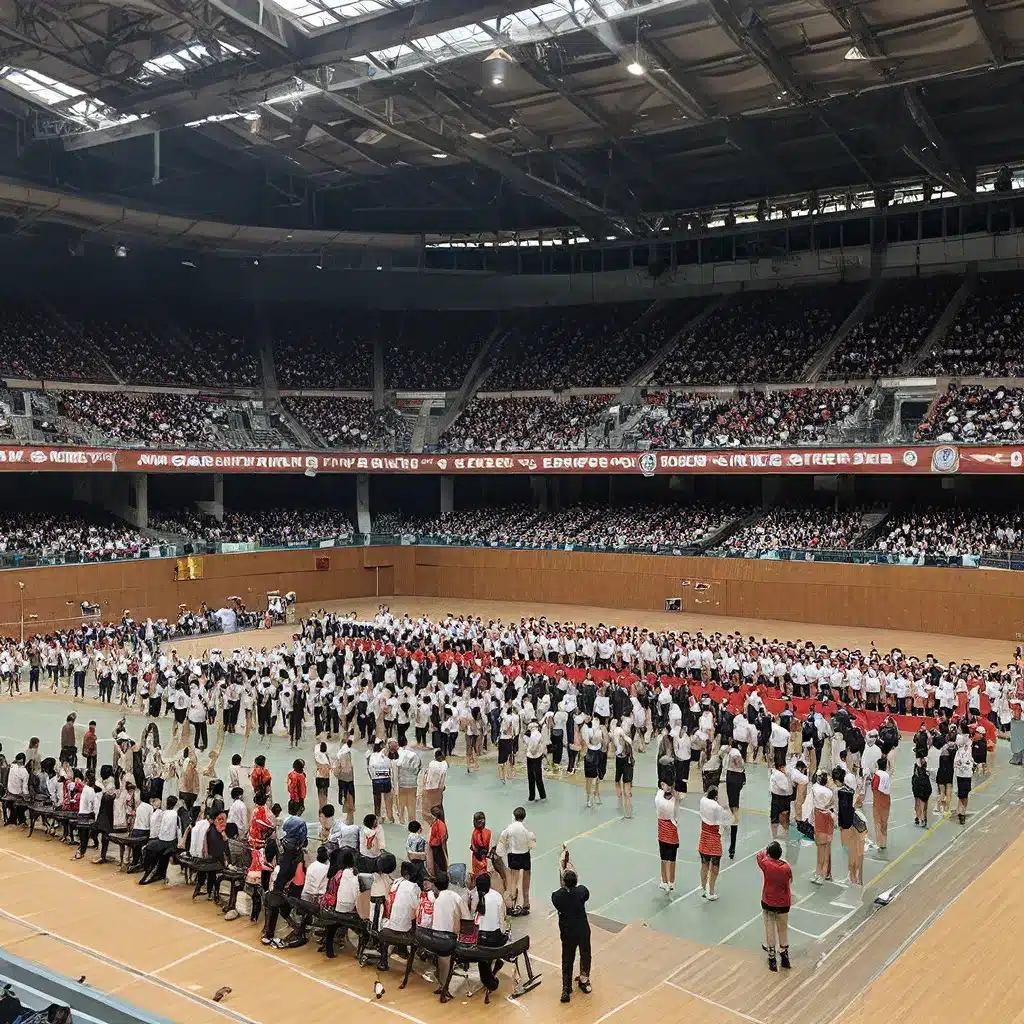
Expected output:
{"points": [[617, 858]]}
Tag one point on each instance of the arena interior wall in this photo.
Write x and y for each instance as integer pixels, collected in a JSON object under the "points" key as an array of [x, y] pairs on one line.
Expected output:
{"points": [[967, 602]]}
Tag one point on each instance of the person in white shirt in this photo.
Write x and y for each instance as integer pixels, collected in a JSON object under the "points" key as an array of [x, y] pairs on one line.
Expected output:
{"points": [[963, 770], [516, 841], [713, 816], [488, 906], [317, 875], [401, 903], [448, 913], [822, 800], [18, 786], [238, 813], [536, 748], [666, 807], [435, 776], [158, 851]]}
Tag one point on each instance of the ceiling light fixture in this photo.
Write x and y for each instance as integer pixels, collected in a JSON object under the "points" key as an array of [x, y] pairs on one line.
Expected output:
{"points": [[439, 156], [495, 66], [854, 53], [477, 135], [635, 68]]}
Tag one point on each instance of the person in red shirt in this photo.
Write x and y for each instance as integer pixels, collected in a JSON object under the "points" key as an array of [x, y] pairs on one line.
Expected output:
{"points": [[297, 788], [260, 777], [776, 897]]}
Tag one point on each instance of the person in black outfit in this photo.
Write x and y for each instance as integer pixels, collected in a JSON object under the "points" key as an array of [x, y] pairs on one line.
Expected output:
{"points": [[573, 927]]}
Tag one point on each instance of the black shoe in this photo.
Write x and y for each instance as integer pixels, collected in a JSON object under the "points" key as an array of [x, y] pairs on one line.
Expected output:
{"points": [[773, 964], [566, 995], [784, 957]]}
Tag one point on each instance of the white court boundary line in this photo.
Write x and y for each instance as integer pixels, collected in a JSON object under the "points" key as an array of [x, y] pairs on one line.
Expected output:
{"points": [[341, 989], [125, 967], [187, 957]]}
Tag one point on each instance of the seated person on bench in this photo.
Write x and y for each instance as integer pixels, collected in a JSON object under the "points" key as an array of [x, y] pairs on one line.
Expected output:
{"points": [[313, 889], [447, 923], [400, 908]]}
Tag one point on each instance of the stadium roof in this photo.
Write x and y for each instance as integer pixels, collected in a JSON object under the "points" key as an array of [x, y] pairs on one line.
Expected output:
{"points": [[453, 115]]}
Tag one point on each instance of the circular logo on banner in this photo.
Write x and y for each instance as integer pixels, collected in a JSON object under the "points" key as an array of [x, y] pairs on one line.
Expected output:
{"points": [[910, 457], [648, 463], [442, 463], [945, 459], [1016, 460]]}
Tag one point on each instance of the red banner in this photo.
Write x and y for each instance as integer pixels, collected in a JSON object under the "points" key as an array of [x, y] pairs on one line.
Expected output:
{"points": [[913, 460]]}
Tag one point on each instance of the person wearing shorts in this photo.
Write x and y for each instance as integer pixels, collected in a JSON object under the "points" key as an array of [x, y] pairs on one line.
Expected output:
{"points": [[666, 804], [712, 817], [776, 898]]}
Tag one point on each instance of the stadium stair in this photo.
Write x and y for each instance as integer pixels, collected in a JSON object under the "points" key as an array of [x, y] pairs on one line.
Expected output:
{"points": [[419, 424], [641, 376], [817, 365], [76, 332], [478, 372], [945, 321]]}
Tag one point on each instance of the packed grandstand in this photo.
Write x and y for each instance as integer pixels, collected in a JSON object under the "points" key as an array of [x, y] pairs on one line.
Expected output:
{"points": [[778, 368], [920, 360]]}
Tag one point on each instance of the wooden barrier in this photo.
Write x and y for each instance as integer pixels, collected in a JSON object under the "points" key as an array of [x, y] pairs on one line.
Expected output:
{"points": [[966, 602], [147, 586]]}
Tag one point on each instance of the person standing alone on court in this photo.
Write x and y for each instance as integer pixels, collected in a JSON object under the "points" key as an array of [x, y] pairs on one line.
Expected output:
{"points": [[570, 901], [536, 748]]}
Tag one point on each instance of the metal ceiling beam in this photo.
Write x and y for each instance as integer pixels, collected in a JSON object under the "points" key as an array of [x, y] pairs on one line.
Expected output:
{"points": [[589, 215], [936, 158], [660, 79], [748, 34], [938, 149], [990, 33], [703, 108]]}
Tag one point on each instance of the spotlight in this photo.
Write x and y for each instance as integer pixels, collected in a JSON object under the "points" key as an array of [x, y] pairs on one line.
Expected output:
{"points": [[379, 267], [854, 53], [121, 251], [439, 155], [255, 263], [495, 66], [635, 68]]}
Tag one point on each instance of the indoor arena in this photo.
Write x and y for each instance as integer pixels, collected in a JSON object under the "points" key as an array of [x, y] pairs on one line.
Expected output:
{"points": [[511, 512]]}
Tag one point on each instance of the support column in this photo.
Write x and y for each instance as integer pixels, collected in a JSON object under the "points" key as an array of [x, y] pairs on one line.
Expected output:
{"points": [[771, 491], [138, 499], [363, 519], [215, 506], [447, 495], [539, 493]]}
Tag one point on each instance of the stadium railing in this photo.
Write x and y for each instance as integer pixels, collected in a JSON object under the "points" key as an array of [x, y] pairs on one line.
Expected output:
{"points": [[1010, 560]]}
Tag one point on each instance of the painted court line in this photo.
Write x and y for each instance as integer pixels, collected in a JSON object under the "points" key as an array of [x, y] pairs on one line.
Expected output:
{"points": [[341, 989], [188, 956], [124, 967], [717, 1006]]}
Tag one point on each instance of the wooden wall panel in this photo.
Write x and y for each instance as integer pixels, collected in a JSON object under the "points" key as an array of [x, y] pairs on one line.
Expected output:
{"points": [[148, 588], [968, 602]]}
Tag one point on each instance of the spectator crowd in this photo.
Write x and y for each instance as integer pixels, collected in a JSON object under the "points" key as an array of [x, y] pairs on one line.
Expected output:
{"points": [[583, 346], [987, 337], [950, 533], [325, 348], [351, 423], [161, 419], [256, 526], [905, 311], [753, 418], [976, 415], [759, 336], [433, 350], [804, 528], [524, 424], [90, 538], [653, 527]]}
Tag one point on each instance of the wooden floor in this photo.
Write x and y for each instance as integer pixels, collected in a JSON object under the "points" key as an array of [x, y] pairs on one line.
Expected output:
{"points": [[152, 947], [976, 650]]}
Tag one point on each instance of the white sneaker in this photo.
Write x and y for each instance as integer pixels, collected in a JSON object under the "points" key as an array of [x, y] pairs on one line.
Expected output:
{"points": [[671, 886], [703, 894], [712, 896], [816, 880], [663, 886]]}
